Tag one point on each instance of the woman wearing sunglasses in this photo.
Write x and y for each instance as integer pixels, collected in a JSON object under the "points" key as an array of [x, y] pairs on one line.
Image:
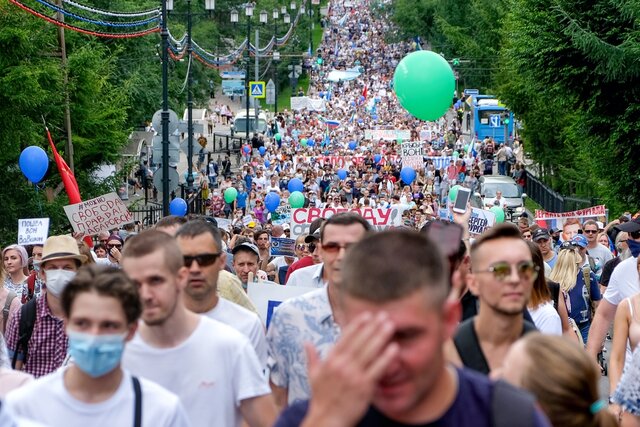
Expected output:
{"points": [[579, 296]]}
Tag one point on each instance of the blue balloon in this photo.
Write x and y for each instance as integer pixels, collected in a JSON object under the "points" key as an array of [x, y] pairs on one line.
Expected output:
{"points": [[377, 158], [178, 207], [342, 174], [34, 163], [295, 185], [246, 149], [374, 117], [262, 150], [353, 145], [407, 175], [272, 201], [362, 98], [321, 94], [311, 142], [353, 103], [267, 163]]}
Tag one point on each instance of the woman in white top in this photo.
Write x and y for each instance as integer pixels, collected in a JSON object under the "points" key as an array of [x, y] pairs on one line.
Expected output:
{"points": [[541, 309]]}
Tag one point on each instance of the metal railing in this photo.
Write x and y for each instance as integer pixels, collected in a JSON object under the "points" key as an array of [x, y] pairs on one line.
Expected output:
{"points": [[227, 143], [551, 200], [147, 215]]}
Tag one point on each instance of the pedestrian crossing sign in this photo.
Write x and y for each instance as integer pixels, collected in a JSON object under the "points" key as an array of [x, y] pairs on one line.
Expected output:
{"points": [[256, 89]]}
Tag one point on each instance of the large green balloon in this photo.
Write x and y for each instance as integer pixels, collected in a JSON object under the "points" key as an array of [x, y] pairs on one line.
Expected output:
{"points": [[296, 200], [424, 84], [499, 213], [278, 137], [230, 194], [453, 193]]}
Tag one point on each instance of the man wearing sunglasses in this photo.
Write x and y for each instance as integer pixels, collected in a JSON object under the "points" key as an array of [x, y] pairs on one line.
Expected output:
{"points": [[502, 275], [310, 317], [599, 253], [623, 284], [201, 246]]}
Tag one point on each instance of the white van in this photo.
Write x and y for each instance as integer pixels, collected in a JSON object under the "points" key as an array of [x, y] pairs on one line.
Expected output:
{"points": [[240, 122]]}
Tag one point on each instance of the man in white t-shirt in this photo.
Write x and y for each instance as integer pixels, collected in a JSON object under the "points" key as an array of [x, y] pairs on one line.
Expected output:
{"points": [[212, 367], [200, 243], [623, 284], [101, 307]]}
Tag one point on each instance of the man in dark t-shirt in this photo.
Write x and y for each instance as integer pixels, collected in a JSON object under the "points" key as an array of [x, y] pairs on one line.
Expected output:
{"points": [[389, 368]]}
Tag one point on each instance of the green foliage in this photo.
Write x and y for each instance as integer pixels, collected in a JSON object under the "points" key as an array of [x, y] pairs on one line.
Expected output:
{"points": [[568, 69]]}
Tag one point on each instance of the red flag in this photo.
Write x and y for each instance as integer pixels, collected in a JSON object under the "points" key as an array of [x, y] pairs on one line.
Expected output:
{"points": [[364, 92], [68, 178]]}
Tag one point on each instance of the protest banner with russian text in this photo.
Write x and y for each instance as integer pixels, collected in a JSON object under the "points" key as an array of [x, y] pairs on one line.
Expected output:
{"points": [[480, 221], [547, 219], [379, 218], [100, 214], [387, 134], [412, 155], [282, 246], [33, 231]]}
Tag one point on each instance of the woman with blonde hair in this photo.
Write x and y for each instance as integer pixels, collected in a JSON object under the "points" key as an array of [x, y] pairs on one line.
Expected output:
{"points": [[568, 273], [562, 377]]}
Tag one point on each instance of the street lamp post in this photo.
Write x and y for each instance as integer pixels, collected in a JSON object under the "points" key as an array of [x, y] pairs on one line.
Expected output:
{"points": [[276, 59], [311, 20], [165, 108], [248, 10], [189, 101]]}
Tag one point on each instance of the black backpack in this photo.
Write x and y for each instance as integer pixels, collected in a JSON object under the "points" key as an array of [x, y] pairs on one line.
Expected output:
{"points": [[25, 330]]}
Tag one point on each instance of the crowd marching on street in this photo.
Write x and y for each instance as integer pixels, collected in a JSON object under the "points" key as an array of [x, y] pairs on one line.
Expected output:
{"points": [[392, 308]]}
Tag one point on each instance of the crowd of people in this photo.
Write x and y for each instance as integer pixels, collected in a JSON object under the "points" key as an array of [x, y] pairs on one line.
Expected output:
{"points": [[422, 323]]}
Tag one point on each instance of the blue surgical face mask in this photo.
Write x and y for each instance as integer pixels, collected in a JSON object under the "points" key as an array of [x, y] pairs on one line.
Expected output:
{"points": [[96, 355], [634, 247]]}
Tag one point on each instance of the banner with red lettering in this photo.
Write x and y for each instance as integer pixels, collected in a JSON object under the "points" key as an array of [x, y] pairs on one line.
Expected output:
{"points": [[100, 214], [557, 219], [379, 218]]}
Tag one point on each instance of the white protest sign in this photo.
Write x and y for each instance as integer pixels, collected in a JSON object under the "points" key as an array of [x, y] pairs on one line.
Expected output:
{"points": [[379, 218], [33, 231], [266, 297], [100, 214], [480, 220], [412, 153], [223, 223], [246, 220]]}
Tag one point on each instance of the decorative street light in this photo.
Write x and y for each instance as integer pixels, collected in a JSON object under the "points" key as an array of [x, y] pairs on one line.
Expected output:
{"points": [[276, 59]]}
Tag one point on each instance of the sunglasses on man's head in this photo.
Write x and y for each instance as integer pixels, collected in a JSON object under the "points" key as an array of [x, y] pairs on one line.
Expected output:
{"points": [[203, 260]]}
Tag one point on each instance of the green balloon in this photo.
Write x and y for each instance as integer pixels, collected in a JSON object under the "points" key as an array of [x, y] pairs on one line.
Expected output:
{"points": [[278, 137], [424, 84], [296, 200], [456, 154], [499, 213], [230, 194], [303, 142], [453, 193]]}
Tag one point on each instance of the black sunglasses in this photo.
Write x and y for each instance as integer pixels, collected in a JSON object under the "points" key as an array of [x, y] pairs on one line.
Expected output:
{"points": [[203, 260], [115, 246]]}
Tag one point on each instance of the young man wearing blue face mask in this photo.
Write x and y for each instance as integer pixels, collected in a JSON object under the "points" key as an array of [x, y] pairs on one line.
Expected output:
{"points": [[101, 308], [45, 347]]}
